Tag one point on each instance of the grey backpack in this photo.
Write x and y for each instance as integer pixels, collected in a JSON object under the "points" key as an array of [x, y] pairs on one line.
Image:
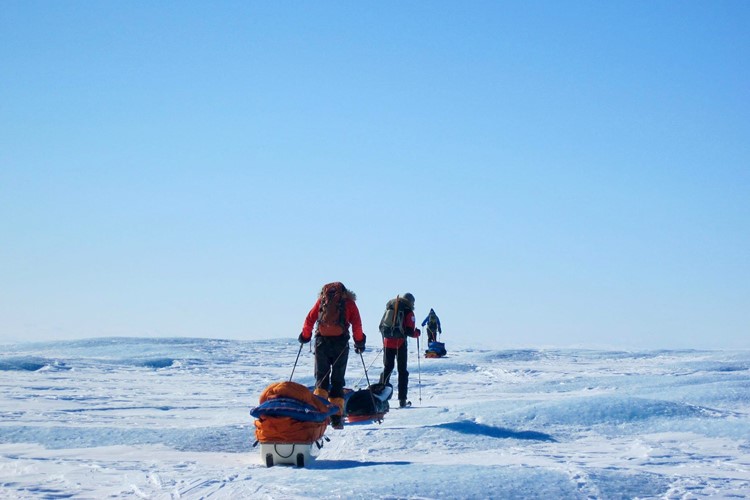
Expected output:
{"points": [[392, 323]]}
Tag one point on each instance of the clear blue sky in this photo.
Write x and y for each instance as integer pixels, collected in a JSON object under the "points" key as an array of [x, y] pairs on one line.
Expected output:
{"points": [[545, 173]]}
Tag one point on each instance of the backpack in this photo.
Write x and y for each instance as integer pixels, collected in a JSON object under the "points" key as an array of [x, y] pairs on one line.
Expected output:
{"points": [[331, 314], [432, 322], [392, 322]]}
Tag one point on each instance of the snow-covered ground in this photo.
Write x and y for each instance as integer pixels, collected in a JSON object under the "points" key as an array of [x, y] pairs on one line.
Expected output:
{"points": [[169, 418]]}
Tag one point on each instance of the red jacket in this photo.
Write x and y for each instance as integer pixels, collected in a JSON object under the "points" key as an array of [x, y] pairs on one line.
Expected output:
{"points": [[351, 314], [409, 323]]}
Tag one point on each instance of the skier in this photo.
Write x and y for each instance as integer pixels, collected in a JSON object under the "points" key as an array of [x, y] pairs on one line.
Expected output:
{"points": [[398, 323], [433, 326], [332, 315]]}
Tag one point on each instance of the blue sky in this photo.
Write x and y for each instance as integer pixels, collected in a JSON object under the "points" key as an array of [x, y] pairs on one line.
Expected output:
{"points": [[541, 173]]}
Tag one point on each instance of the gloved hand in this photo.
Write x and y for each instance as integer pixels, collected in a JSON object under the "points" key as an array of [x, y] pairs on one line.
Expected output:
{"points": [[302, 339], [417, 333], [359, 346]]}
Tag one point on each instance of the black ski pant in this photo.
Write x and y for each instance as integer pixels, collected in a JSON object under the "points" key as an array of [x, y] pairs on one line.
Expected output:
{"points": [[331, 356], [390, 358]]}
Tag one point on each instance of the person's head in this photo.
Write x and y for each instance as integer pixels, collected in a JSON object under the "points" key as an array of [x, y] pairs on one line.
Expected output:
{"points": [[332, 288], [410, 299], [337, 288]]}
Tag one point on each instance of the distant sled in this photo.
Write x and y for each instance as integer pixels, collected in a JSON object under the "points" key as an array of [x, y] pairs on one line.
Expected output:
{"points": [[435, 350], [290, 424], [368, 404]]}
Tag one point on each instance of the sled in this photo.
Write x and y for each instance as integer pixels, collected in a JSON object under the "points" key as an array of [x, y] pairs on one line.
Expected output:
{"points": [[359, 405], [290, 424], [295, 454], [374, 417], [435, 350]]}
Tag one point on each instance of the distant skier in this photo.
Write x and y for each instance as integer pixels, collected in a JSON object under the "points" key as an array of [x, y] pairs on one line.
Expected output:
{"points": [[398, 322], [433, 326], [333, 313]]}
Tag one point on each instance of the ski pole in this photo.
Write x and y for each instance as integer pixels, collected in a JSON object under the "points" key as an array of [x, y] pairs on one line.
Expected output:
{"points": [[369, 387], [377, 356], [295, 361], [419, 372]]}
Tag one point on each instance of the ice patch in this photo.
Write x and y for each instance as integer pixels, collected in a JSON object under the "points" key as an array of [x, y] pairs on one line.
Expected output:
{"points": [[30, 364]]}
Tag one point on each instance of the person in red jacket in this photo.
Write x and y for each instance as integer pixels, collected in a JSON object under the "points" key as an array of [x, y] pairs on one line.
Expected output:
{"points": [[332, 315], [397, 324]]}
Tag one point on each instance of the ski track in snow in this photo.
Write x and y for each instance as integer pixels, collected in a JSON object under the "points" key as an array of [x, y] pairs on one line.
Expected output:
{"points": [[169, 418]]}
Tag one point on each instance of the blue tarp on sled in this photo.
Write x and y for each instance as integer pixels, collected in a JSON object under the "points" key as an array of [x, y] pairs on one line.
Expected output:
{"points": [[293, 408], [435, 350]]}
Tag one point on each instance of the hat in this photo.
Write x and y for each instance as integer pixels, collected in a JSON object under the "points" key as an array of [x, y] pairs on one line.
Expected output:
{"points": [[409, 297]]}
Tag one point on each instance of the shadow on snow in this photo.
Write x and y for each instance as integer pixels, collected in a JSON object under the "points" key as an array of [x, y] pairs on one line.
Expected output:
{"points": [[469, 427], [351, 464]]}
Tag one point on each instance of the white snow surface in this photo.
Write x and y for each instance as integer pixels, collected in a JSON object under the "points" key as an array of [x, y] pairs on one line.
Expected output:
{"points": [[169, 418]]}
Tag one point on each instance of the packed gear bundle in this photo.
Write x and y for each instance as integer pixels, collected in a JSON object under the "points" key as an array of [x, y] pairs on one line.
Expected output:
{"points": [[290, 423], [435, 350], [368, 404]]}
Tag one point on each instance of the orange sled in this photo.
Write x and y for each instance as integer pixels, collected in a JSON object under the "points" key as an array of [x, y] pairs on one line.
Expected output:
{"points": [[290, 423]]}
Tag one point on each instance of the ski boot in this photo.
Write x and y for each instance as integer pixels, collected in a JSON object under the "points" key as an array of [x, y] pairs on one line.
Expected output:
{"points": [[337, 422]]}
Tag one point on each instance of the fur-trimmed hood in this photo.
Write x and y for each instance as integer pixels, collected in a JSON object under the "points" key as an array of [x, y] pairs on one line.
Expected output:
{"points": [[345, 292]]}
